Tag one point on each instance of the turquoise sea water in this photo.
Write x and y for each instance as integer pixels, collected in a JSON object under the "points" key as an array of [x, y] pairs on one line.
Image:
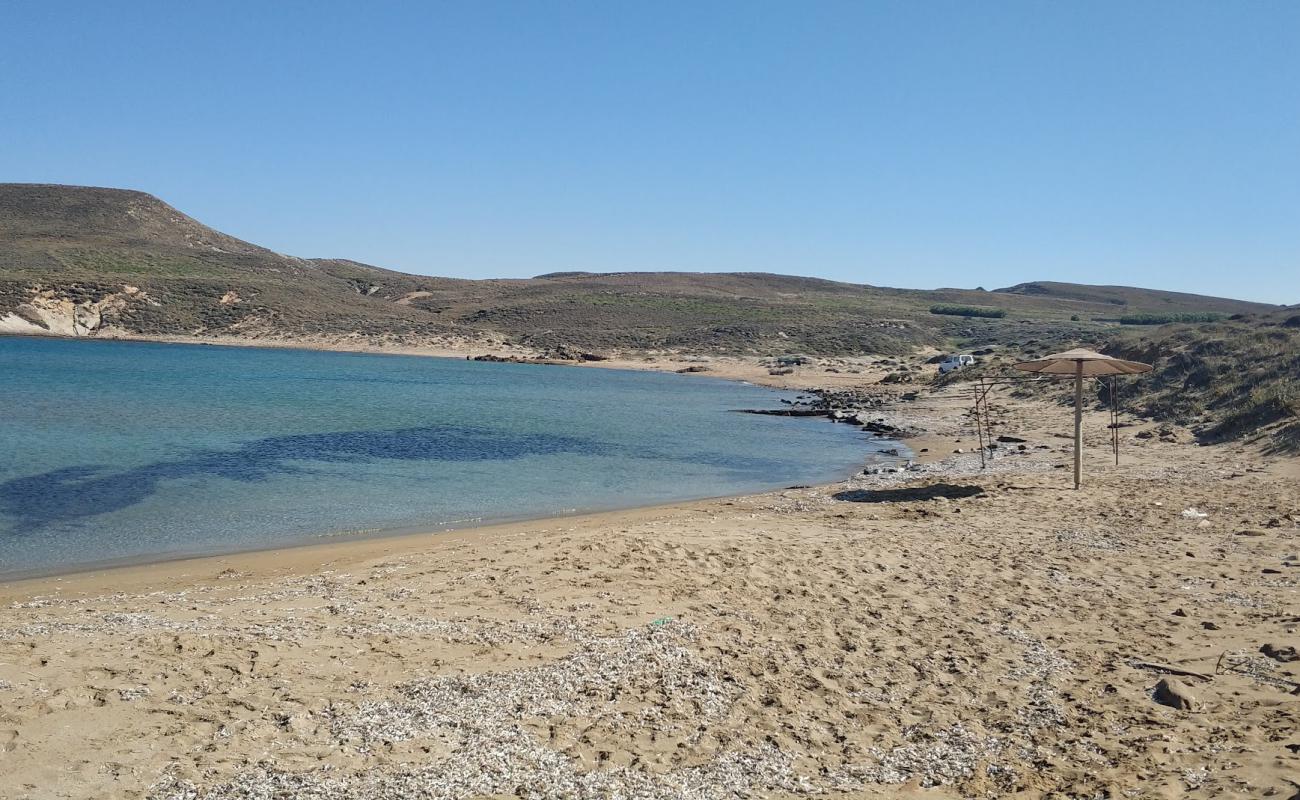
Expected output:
{"points": [[115, 450]]}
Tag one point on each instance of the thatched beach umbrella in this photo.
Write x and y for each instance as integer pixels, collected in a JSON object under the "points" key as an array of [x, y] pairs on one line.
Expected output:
{"points": [[1081, 364]]}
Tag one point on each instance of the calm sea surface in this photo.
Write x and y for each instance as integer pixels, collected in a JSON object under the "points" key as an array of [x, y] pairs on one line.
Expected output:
{"points": [[112, 450]]}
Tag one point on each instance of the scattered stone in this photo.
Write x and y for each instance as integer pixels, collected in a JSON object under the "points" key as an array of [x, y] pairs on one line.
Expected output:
{"points": [[1179, 612], [1175, 694], [1251, 532], [1277, 652], [1209, 626]]}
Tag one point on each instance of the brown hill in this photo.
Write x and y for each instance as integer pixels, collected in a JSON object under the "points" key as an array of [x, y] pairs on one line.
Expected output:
{"points": [[1130, 299], [91, 261]]}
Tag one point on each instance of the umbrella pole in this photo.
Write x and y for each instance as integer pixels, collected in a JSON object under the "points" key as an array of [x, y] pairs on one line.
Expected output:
{"points": [[1078, 423]]}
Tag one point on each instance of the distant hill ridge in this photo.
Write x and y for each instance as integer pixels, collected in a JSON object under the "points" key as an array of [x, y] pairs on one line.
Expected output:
{"points": [[95, 261], [1128, 296], [48, 211]]}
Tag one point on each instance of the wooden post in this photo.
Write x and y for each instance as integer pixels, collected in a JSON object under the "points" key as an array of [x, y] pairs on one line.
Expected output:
{"points": [[1078, 424]]}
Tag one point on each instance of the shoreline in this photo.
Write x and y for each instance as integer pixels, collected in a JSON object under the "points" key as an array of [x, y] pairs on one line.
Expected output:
{"points": [[721, 366], [342, 539], [309, 556], [380, 538]]}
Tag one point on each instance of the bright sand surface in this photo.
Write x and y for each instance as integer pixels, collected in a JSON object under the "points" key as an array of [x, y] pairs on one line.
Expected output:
{"points": [[952, 632]]}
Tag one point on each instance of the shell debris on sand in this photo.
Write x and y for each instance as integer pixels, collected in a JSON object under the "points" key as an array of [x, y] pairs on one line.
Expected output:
{"points": [[480, 719]]}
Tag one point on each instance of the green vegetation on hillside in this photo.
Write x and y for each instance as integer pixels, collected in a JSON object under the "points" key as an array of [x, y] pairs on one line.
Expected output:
{"points": [[1165, 319], [1226, 379], [969, 311]]}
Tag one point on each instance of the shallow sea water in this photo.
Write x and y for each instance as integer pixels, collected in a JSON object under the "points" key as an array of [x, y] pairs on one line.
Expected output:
{"points": [[117, 450]]}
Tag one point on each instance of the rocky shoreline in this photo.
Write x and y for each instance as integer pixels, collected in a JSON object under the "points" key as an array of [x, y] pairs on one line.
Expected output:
{"points": [[850, 406]]}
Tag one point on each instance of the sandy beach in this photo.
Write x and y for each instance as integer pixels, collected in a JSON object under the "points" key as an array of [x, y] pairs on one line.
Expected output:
{"points": [[949, 631]]}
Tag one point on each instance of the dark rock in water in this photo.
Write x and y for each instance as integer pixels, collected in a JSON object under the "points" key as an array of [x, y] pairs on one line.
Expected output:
{"points": [[1175, 694], [879, 427], [1277, 652], [793, 411]]}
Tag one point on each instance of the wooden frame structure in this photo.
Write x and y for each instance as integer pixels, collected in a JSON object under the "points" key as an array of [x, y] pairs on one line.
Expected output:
{"points": [[984, 385]]}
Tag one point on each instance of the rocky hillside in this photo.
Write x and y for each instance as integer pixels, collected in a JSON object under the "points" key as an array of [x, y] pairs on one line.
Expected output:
{"points": [[83, 261], [1230, 379]]}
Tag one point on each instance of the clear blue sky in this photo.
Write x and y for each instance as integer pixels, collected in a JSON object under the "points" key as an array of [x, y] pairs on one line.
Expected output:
{"points": [[900, 144]]}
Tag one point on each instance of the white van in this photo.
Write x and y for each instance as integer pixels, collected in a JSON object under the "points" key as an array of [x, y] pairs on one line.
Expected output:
{"points": [[955, 362]]}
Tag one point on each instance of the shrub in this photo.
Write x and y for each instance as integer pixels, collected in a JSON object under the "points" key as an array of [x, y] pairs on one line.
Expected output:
{"points": [[1164, 319], [969, 311]]}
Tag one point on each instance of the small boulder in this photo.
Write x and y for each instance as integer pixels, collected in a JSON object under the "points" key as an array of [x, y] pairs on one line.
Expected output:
{"points": [[1175, 694]]}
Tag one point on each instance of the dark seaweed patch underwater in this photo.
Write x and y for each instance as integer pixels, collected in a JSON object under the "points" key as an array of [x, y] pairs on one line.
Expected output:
{"points": [[118, 450]]}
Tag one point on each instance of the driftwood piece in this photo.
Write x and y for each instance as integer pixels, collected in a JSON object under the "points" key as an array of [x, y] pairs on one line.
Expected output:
{"points": [[1170, 670]]}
